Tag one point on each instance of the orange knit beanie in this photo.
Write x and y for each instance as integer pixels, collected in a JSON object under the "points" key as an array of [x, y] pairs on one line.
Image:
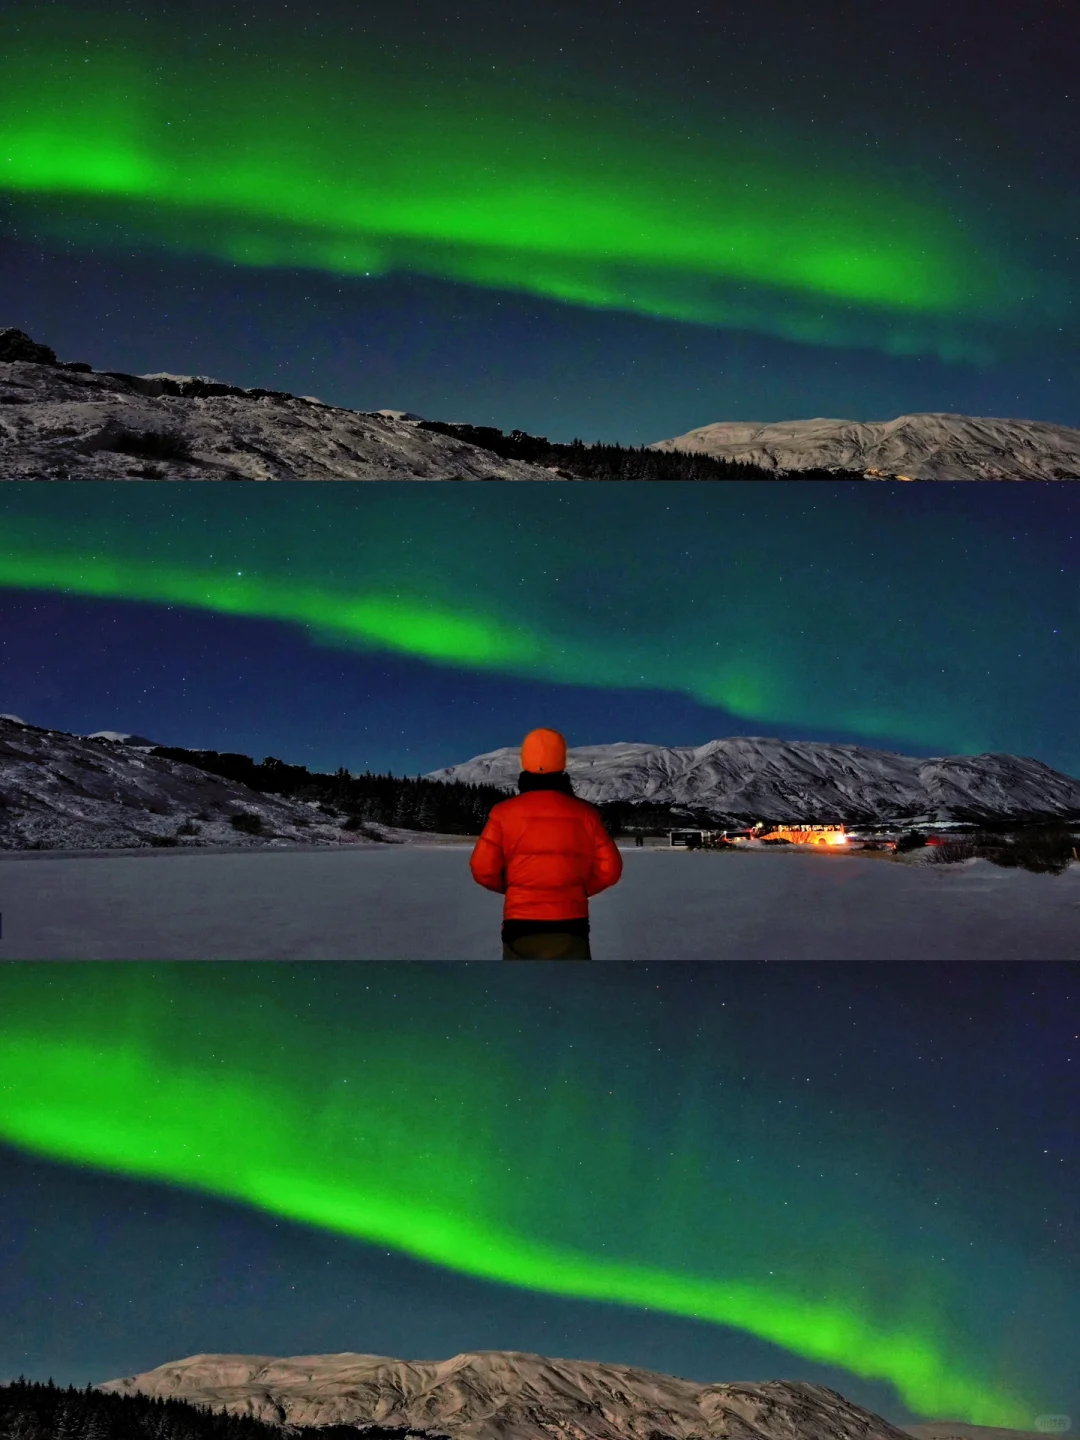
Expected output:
{"points": [[543, 750]]}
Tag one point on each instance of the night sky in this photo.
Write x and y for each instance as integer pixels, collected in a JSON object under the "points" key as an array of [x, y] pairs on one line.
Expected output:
{"points": [[617, 221], [410, 626], [858, 1174]]}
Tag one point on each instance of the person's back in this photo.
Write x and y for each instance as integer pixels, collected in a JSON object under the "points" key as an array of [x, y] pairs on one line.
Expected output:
{"points": [[548, 852]]}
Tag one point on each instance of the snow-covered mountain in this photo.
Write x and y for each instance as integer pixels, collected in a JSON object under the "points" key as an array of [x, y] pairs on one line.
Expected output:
{"points": [[120, 735], [66, 421], [911, 447], [752, 778], [504, 1395], [63, 420], [106, 791]]}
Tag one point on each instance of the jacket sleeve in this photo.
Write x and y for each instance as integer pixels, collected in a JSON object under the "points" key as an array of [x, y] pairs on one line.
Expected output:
{"points": [[607, 862], [487, 862]]}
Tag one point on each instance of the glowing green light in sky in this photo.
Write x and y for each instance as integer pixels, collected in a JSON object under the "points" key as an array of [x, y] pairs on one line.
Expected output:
{"points": [[388, 621], [550, 1174], [258, 151], [744, 684], [795, 604]]}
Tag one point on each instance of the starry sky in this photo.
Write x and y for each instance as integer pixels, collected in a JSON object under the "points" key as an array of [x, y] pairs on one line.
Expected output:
{"points": [[407, 626], [858, 1174], [616, 221]]}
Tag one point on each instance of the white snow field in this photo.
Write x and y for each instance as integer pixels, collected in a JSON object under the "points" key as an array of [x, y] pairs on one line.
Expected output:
{"points": [[419, 902]]}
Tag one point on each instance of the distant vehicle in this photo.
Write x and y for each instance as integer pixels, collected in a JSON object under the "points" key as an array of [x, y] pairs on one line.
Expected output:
{"points": [[696, 839]]}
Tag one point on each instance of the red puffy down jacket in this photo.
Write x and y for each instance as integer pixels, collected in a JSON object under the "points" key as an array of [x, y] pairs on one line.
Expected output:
{"points": [[547, 853]]}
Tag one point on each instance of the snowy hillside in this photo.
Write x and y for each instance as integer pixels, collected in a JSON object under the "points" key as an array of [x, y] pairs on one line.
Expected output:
{"points": [[505, 1395], [62, 421], [61, 791], [103, 791], [913, 447], [750, 779]]}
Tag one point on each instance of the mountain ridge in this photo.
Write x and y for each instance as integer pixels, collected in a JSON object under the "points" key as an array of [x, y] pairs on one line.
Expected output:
{"points": [[933, 445], [115, 789], [509, 1395], [65, 420], [748, 778], [517, 1395]]}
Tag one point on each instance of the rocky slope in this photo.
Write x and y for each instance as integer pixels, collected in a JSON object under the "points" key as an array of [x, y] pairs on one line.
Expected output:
{"points": [[911, 447], [65, 421], [749, 779], [106, 791], [503, 1395]]}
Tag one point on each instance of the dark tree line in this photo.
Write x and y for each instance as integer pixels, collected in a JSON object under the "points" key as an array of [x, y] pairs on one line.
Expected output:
{"points": [[616, 462], [413, 803], [30, 1410], [453, 808]]}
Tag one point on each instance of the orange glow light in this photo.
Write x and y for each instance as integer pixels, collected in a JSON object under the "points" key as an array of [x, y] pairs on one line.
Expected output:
{"points": [[806, 835]]}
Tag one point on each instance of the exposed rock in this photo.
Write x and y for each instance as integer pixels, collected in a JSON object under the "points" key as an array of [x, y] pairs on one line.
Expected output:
{"points": [[17, 345]]}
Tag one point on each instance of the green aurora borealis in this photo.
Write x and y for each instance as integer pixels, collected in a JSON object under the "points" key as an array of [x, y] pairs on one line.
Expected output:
{"points": [[596, 1169], [943, 616], [268, 147]]}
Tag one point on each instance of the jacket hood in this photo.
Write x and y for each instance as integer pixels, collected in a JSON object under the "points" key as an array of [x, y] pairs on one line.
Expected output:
{"points": [[545, 780]]}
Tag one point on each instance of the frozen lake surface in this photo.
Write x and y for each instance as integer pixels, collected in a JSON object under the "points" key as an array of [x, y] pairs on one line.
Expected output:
{"points": [[419, 902]]}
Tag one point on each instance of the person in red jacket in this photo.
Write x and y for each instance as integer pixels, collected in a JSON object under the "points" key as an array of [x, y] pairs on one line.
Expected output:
{"points": [[547, 852]]}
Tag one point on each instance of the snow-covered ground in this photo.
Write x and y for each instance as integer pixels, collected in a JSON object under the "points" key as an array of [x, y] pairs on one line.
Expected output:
{"points": [[419, 902]]}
